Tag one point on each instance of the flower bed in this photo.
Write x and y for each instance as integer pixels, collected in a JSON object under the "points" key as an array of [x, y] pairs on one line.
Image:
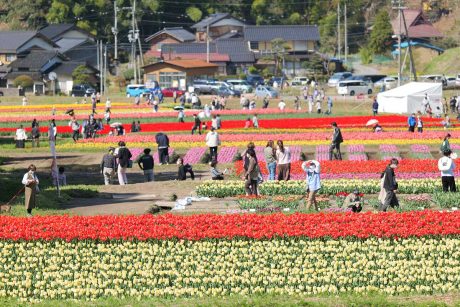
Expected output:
{"points": [[62, 257], [328, 187], [388, 152], [357, 153], [418, 151]]}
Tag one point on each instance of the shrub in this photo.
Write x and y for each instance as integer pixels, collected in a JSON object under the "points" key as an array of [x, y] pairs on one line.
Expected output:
{"points": [[366, 55], [174, 157], [206, 158], [252, 70], [23, 81], [80, 75]]}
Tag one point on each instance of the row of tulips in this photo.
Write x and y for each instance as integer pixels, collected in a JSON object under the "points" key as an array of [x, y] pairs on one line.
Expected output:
{"points": [[283, 266], [328, 187], [273, 135]]}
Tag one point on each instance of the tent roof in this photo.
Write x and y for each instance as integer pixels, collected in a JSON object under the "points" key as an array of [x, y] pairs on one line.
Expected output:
{"points": [[412, 88]]}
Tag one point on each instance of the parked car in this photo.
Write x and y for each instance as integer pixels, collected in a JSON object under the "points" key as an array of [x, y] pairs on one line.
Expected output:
{"points": [[81, 90], [264, 91], [255, 80], [241, 85], [299, 81], [169, 92], [435, 79], [208, 86], [337, 77], [134, 90], [227, 91], [457, 80], [1, 93], [354, 87], [389, 83], [451, 82]]}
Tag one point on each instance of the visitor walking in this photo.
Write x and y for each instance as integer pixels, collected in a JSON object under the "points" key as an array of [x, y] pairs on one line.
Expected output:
{"points": [[214, 122], [447, 167], [30, 182], [270, 159], [24, 101], [337, 139], [75, 126], [181, 116], [52, 131], [312, 170], [281, 105], [163, 147], [255, 121], [283, 160], [213, 141], [375, 107], [108, 104], [419, 124], [36, 135], [108, 166], [329, 105], [389, 187], [265, 102], [124, 161], [445, 146], [411, 122], [219, 121], [20, 137], [252, 174], [196, 124], [146, 164]]}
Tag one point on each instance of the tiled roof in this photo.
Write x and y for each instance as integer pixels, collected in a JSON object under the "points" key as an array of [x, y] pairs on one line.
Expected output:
{"points": [[287, 32], [213, 57], [54, 30], [10, 41], [186, 64], [178, 33], [35, 59], [69, 43], [418, 26], [211, 19]]}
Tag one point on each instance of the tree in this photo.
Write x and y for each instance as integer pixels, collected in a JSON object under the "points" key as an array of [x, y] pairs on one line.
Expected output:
{"points": [[279, 48], [23, 81], [366, 55], [380, 40], [194, 13], [80, 75]]}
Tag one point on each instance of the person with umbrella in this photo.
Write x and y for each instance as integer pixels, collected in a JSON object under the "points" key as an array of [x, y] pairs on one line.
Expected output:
{"points": [[70, 112]]}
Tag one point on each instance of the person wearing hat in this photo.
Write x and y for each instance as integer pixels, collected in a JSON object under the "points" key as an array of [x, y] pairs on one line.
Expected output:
{"points": [[312, 170], [108, 166], [389, 187], [447, 167], [353, 201]]}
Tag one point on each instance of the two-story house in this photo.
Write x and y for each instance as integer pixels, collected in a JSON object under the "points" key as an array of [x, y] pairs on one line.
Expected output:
{"points": [[13, 43], [218, 24], [176, 35], [298, 42]]}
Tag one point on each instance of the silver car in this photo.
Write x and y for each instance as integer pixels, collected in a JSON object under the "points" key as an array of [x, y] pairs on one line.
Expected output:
{"points": [[264, 91], [241, 85]]}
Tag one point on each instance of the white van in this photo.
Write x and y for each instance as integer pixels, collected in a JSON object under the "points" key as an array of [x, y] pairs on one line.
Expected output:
{"points": [[299, 81], [241, 85], [354, 87]]}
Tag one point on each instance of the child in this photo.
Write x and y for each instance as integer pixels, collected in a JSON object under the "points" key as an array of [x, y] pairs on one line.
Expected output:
{"points": [[419, 124], [181, 116], [318, 106], [61, 177], [247, 124], [107, 116], [215, 173], [297, 103], [255, 121]]}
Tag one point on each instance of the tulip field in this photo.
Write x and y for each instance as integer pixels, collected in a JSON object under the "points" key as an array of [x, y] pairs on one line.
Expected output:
{"points": [[265, 245]]}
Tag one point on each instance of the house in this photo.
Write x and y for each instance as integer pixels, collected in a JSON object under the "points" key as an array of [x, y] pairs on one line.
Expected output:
{"points": [[230, 55], [74, 42], [178, 73], [38, 64], [218, 24], [418, 26], [299, 43], [174, 35], [13, 43]]}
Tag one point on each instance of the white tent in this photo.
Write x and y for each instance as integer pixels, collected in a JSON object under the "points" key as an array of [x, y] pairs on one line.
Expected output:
{"points": [[408, 98]]}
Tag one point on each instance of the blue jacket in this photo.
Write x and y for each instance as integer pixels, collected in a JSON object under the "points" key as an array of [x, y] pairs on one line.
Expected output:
{"points": [[411, 121]]}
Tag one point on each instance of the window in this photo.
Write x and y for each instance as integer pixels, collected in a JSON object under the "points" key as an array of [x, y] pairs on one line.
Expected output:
{"points": [[254, 45], [167, 79], [159, 46], [23, 68], [10, 57]]}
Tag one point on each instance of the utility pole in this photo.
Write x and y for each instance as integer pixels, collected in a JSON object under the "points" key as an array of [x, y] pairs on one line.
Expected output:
{"points": [[140, 47], [338, 32], [115, 35], [398, 6], [105, 71], [207, 43], [345, 32], [412, 64]]}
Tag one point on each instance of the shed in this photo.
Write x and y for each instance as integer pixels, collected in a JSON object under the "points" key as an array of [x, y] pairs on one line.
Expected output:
{"points": [[409, 98], [178, 73]]}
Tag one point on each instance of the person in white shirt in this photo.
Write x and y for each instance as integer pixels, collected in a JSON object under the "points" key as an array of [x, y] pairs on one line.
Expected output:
{"points": [[30, 181], [281, 105], [447, 167], [24, 101], [213, 141], [283, 161], [20, 137], [108, 103]]}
